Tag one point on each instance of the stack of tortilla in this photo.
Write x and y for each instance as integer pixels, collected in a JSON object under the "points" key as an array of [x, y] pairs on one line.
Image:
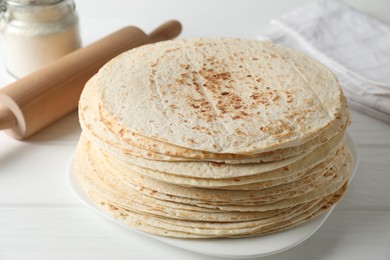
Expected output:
{"points": [[206, 138]]}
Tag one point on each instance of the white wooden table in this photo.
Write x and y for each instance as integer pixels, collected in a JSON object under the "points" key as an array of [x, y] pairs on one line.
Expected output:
{"points": [[41, 219]]}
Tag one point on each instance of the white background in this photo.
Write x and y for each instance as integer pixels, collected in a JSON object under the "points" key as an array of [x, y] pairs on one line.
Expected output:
{"points": [[41, 219]]}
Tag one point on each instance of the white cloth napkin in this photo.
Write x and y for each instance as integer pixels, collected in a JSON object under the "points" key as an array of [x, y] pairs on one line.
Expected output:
{"points": [[353, 45]]}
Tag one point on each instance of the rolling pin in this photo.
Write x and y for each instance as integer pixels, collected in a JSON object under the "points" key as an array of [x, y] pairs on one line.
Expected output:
{"points": [[39, 99]]}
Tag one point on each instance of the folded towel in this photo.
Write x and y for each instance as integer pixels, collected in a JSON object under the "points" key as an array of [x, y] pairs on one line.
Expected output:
{"points": [[355, 46]]}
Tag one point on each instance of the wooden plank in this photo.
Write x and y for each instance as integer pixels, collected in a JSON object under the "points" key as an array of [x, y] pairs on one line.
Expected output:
{"points": [[368, 131], [63, 233], [56, 233]]}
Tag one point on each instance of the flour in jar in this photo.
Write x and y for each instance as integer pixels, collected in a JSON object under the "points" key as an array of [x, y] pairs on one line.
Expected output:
{"points": [[33, 36]]}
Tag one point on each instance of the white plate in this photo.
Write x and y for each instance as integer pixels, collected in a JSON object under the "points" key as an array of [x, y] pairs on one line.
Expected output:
{"points": [[231, 248]]}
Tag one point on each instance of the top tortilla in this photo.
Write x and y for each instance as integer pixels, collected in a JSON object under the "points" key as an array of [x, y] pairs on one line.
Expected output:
{"points": [[219, 95]]}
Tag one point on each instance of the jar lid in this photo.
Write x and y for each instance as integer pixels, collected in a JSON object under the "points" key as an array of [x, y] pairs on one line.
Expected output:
{"points": [[31, 2]]}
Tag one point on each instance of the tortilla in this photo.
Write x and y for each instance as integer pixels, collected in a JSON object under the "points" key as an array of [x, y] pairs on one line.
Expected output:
{"points": [[205, 138]]}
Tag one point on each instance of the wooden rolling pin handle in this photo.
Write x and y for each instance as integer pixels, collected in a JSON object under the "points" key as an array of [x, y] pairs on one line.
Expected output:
{"points": [[48, 94], [8, 119], [167, 30]]}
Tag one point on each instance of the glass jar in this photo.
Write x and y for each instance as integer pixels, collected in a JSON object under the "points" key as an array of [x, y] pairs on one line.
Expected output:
{"points": [[37, 32]]}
